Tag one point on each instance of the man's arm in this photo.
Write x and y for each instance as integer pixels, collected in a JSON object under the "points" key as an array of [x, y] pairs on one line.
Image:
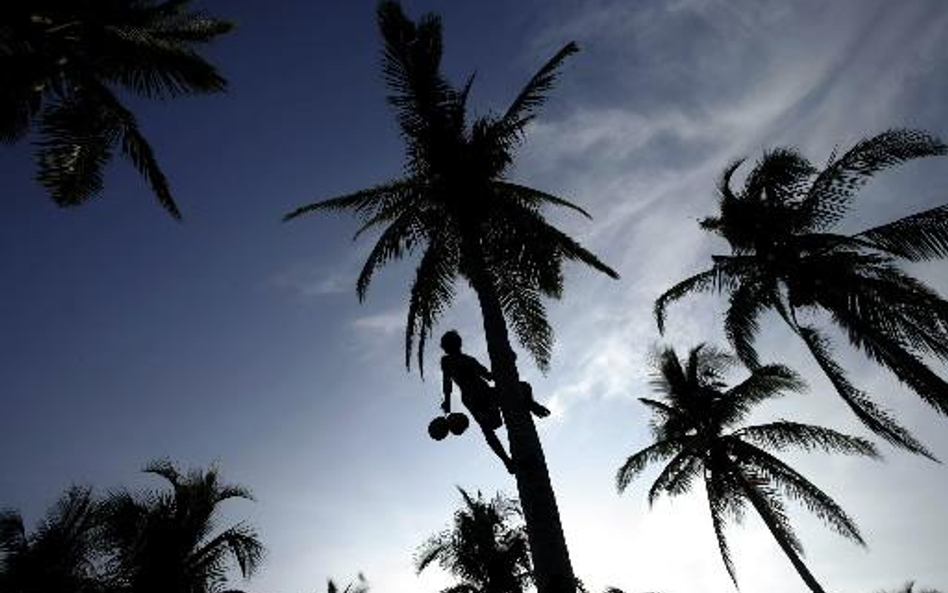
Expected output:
{"points": [[446, 386]]}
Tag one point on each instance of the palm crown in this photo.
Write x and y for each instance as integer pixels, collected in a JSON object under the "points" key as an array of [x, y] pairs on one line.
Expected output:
{"points": [[166, 541], [696, 426], [486, 549], [64, 552], [785, 258], [62, 60], [455, 203]]}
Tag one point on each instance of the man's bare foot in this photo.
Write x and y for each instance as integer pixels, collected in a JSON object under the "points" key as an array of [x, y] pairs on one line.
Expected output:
{"points": [[539, 410]]}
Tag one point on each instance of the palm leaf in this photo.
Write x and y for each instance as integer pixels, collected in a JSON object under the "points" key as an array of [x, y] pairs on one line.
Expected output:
{"points": [[783, 434], [799, 488], [634, 465], [832, 191], [920, 237], [873, 417], [723, 275], [676, 477], [533, 95], [716, 491], [366, 202], [431, 293]]}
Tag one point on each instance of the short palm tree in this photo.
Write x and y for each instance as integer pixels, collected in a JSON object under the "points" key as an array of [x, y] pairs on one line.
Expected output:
{"points": [[63, 61], [486, 548], [785, 258], [695, 425], [165, 541], [62, 555], [360, 586], [457, 208]]}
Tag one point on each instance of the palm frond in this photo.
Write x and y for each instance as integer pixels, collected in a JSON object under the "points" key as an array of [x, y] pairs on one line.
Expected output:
{"points": [[832, 191], [799, 488], [717, 495], [76, 141], [676, 477], [534, 198], [397, 239], [533, 95], [872, 416], [411, 67], [525, 311], [764, 382], [137, 149], [889, 352], [366, 202], [783, 434], [431, 292], [745, 306], [920, 237], [722, 276], [634, 465]]}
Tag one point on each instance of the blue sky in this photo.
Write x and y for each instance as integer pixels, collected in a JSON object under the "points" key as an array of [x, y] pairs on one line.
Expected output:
{"points": [[233, 338]]}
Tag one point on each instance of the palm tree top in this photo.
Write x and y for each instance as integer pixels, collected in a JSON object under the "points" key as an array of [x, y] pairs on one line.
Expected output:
{"points": [[62, 62], [486, 547], [698, 434], [786, 258], [454, 203]]}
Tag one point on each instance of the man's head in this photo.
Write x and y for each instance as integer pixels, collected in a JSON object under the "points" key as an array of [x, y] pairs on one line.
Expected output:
{"points": [[451, 342]]}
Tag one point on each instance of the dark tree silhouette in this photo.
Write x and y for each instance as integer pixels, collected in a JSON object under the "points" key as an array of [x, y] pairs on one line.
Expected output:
{"points": [[785, 258], [456, 206], [61, 555], [62, 61], [695, 429], [909, 587], [165, 541], [486, 548], [360, 586]]}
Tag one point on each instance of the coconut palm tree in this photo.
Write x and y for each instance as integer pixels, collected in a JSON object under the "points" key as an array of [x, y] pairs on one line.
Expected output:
{"points": [[360, 586], [909, 587], [61, 555], [64, 60], [457, 208], [486, 548], [165, 541], [785, 258], [696, 429]]}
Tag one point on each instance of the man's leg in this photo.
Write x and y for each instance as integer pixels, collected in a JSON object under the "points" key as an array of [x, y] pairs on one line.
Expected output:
{"points": [[497, 448]]}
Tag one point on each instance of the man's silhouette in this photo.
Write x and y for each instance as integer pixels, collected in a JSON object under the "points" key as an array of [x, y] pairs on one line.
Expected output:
{"points": [[477, 395]]}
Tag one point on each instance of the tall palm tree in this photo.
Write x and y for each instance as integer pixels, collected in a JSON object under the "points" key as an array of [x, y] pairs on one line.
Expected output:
{"points": [[61, 555], [456, 206], [785, 258], [63, 61], [486, 548], [165, 542], [695, 425]]}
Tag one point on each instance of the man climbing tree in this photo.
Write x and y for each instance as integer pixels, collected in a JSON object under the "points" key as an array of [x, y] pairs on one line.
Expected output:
{"points": [[478, 397]]}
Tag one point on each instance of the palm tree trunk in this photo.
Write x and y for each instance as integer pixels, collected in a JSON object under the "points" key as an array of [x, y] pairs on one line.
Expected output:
{"points": [[551, 564], [764, 511]]}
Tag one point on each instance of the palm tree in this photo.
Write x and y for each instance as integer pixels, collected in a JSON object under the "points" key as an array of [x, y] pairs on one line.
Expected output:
{"points": [[486, 549], [61, 555], [63, 61], [695, 429], [165, 542], [909, 587], [360, 586], [785, 258], [456, 206]]}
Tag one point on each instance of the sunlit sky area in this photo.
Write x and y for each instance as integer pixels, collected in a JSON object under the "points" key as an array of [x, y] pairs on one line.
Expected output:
{"points": [[235, 339]]}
